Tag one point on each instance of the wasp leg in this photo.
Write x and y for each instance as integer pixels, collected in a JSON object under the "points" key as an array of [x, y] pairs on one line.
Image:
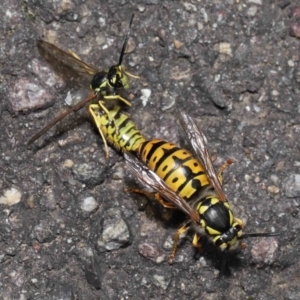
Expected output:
{"points": [[101, 104], [113, 97], [195, 241], [117, 97], [176, 240], [223, 167], [157, 197], [96, 106], [131, 75]]}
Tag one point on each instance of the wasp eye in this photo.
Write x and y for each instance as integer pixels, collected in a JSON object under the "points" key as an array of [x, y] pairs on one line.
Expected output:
{"points": [[218, 242], [238, 228], [221, 244], [112, 72]]}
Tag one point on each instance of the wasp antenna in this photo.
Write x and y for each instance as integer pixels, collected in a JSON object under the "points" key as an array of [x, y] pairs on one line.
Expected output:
{"points": [[125, 42], [260, 234]]}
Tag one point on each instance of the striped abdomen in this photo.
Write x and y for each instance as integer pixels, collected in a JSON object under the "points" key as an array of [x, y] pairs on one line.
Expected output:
{"points": [[176, 166], [119, 130]]}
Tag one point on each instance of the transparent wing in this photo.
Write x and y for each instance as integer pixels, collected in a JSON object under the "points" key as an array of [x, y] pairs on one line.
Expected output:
{"points": [[198, 142], [72, 69], [66, 63], [145, 175], [60, 117]]}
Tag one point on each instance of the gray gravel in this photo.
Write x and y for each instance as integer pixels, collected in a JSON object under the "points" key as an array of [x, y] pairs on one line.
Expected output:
{"points": [[67, 228]]}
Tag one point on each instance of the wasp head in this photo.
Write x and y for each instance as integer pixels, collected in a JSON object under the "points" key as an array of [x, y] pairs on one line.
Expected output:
{"points": [[117, 78], [230, 238], [219, 223]]}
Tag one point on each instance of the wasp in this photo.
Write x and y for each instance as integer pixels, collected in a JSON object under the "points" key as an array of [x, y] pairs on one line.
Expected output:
{"points": [[179, 180], [121, 133], [192, 185], [105, 85]]}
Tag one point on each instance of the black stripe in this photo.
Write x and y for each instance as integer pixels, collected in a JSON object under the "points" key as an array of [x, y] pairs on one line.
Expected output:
{"points": [[115, 118], [118, 114], [166, 154], [141, 149], [123, 125], [189, 175], [154, 147], [178, 163], [132, 139]]}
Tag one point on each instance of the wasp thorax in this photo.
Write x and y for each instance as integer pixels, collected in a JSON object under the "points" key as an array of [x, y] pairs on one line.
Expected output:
{"points": [[99, 81]]}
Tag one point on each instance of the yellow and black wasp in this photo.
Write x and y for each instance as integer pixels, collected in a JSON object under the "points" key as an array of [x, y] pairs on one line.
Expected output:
{"points": [[105, 85], [179, 179], [121, 133]]}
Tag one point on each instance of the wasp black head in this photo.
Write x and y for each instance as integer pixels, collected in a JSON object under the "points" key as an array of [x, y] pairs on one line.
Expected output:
{"points": [[225, 242], [219, 223], [229, 239], [116, 77]]}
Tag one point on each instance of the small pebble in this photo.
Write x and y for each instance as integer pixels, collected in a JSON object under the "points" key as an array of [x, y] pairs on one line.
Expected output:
{"points": [[225, 48], [10, 197], [89, 204], [146, 93]]}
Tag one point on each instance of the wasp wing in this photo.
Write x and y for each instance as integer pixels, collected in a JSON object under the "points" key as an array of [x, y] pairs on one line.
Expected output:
{"points": [[68, 64], [147, 176], [60, 117], [73, 69], [198, 142]]}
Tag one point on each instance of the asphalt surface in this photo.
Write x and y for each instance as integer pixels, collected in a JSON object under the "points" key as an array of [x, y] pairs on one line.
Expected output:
{"points": [[67, 228]]}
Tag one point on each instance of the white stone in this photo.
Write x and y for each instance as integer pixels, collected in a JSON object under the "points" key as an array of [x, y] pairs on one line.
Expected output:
{"points": [[10, 197], [146, 93], [89, 204]]}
